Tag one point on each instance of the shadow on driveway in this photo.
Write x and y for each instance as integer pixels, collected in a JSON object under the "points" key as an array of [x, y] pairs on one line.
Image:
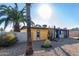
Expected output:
{"points": [[37, 45]]}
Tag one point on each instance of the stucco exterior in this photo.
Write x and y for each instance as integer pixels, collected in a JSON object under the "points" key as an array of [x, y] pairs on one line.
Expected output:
{"points": [[43, 33]]}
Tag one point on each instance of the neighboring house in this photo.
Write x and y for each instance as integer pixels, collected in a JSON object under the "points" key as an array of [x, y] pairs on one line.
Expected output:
{"points": [[74, 33]]}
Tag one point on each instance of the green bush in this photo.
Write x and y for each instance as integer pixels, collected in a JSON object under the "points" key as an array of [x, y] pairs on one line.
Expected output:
{"points": [[7, 39], [47, 44]]}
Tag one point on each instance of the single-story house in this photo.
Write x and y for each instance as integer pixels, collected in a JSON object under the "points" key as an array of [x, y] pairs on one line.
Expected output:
{"points": [[42, 33], [37, 33]]}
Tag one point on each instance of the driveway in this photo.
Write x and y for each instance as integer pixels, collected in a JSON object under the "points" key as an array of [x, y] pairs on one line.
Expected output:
{"points": [[67, 47]]}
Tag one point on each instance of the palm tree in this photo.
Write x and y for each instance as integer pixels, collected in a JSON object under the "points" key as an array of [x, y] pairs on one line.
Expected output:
{"points": [[11, 15], [29, 50]]}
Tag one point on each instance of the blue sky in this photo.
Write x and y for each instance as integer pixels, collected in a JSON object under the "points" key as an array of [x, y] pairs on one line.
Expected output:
{"points": [[64, 15]]}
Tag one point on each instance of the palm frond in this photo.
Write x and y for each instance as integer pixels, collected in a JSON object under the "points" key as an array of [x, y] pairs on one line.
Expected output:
{"points": [[2, 13], [6, 22], [16, 6], [13, 14], [2, 20], [2, 7], [32, 23]]}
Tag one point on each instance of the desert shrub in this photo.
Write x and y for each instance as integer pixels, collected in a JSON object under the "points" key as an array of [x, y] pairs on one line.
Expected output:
{"points": [[7, 39], [47, 44]]}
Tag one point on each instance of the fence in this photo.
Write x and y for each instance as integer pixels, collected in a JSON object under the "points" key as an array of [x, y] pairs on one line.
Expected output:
{"points": [[21, 36]]}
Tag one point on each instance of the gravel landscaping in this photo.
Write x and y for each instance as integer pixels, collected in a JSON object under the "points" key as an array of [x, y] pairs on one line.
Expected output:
{"points": [[67, 47]]}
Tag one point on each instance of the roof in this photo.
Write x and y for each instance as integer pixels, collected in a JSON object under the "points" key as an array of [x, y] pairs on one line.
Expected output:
{"points": [[24, 27], [74, 30]]}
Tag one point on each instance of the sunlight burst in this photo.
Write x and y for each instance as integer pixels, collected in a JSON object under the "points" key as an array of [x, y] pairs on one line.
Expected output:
{"points": [[44, 11]]}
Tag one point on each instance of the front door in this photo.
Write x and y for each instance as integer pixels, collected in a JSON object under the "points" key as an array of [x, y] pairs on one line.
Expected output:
{"points": [[38, 35]]}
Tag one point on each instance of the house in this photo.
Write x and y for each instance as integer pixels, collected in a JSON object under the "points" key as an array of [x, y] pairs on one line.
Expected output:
{"points": [[42, 33], [74, 32], [37, 32]]}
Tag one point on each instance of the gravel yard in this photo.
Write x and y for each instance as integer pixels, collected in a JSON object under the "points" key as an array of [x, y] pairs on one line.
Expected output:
{"points": [[68, 47]]}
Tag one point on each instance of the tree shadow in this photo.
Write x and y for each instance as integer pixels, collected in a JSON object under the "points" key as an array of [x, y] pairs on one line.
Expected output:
{"points": [[65, 51], [65, 42], [37, 45]]}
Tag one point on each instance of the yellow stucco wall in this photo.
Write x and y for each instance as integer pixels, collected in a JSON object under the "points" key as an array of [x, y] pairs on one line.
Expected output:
{"points": [[70, 34], [23, 30], [33, 34], [43, 33]]}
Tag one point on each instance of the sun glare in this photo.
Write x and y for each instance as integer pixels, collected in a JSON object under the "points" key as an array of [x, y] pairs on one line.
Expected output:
{"points": [[44, 11]]}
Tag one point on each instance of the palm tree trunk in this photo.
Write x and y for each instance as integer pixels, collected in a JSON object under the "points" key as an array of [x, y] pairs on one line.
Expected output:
{"points": [[16, 27], [29, 50]]}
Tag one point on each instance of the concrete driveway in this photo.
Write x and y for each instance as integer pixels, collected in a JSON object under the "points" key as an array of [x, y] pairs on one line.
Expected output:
{"points": [[67, 47]]}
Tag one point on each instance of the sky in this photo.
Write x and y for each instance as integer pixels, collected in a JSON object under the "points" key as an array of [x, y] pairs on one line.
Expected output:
{"points": [[64, 15], [61, 15]]}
